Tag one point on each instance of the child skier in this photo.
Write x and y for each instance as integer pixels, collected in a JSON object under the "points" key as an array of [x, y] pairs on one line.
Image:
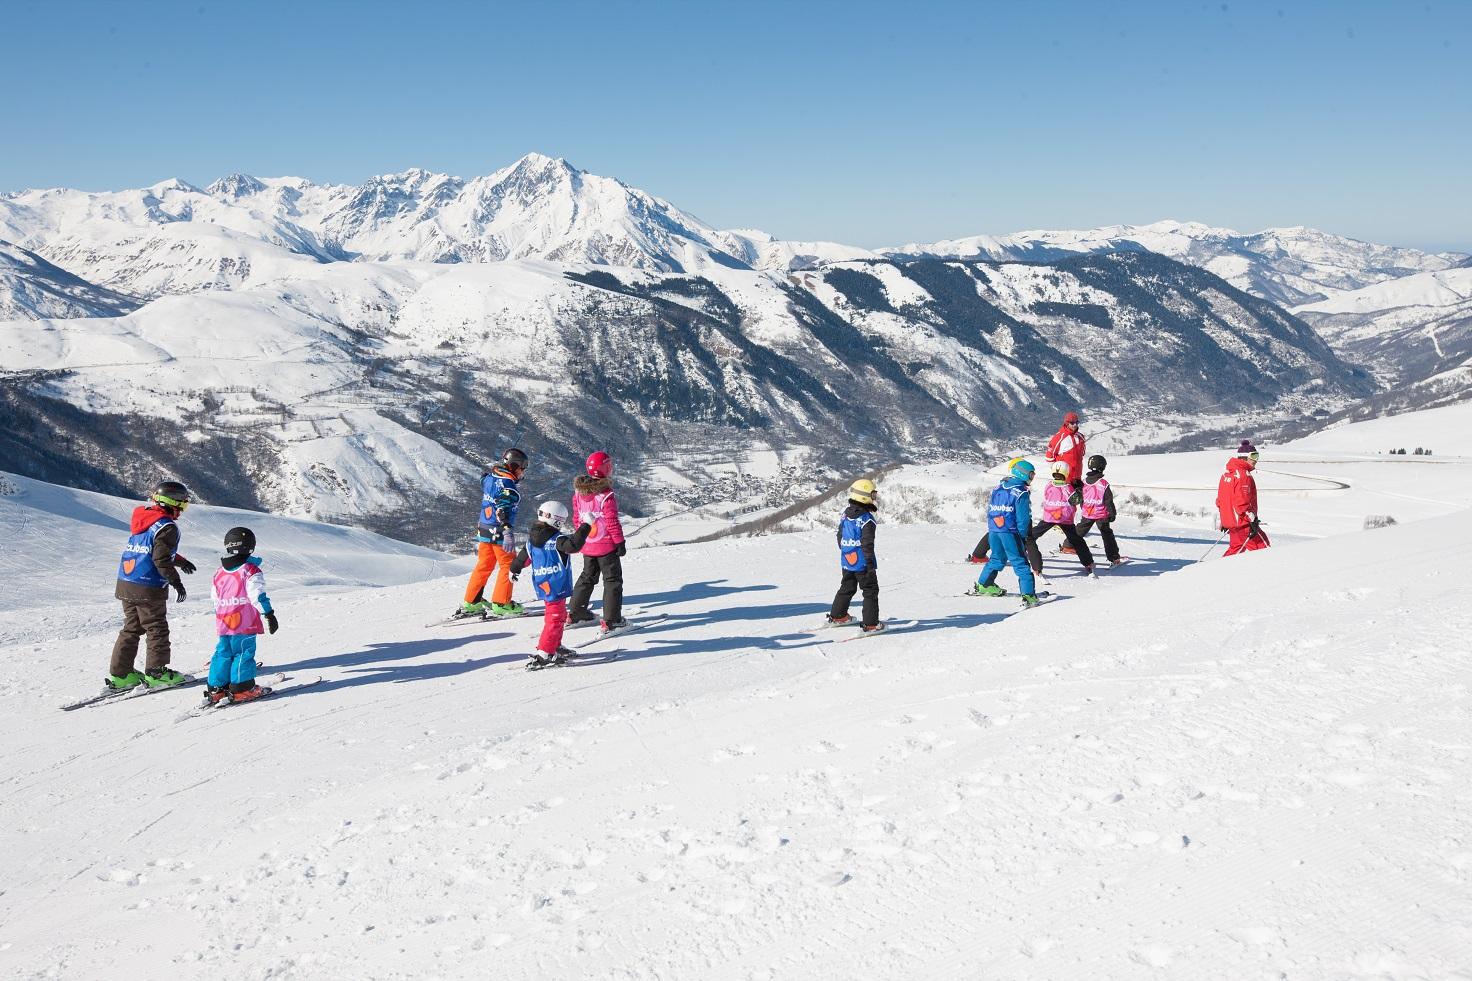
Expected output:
{"points": [[238, 589], [151, 563], [982, 550], [594, 505], [1060, 501], [1067, 447], [548, 551], [1096, 506], [856, 557], [496, 539], [1009, 517]]}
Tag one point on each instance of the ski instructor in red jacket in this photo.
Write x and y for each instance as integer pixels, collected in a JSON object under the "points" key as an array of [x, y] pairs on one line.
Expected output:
{"points": [[1236, 503], [1067, 446]]}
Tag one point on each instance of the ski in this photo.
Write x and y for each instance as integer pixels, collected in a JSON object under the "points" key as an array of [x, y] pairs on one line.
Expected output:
{"points": [[138, 691], [830, 625], [638, 623], [890, 626], [204, 706], [1041, 594], [460, 619], [276, 689]]}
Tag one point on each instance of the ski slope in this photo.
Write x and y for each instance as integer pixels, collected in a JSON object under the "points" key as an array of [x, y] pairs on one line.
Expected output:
{"points": [[1236, 768]]}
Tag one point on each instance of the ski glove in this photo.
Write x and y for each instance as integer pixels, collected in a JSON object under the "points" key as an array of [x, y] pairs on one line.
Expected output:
{"points": [[508, 539], [271, 623], [180, 594], [622, 550], [1256, 527], [184, 565]]}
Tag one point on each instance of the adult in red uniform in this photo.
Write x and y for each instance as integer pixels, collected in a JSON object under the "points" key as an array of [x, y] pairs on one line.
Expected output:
{"points": [[1067, 446], [1236, 503]]}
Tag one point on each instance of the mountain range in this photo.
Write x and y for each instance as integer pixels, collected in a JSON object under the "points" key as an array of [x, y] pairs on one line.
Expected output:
{"points": [[353, 352]]}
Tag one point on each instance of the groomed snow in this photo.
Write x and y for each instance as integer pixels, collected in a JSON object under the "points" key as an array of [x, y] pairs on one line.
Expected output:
{"points": [[1247, 767]]}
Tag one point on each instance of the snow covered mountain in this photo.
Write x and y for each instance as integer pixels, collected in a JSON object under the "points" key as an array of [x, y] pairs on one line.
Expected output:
{"points": [[31, 287], [1416, 332], [367, 391], [1289, 266]]}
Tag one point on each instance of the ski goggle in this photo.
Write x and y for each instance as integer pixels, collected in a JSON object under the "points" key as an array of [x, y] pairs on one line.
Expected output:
{"points": [[1252, 456], [169, 502]]}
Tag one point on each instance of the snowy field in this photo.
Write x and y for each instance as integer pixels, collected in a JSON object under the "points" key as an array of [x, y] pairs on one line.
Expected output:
{"points": [[1249, 768]]}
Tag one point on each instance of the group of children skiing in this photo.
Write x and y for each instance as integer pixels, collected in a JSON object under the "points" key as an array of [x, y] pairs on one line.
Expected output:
{"points": [[1074, 502]]}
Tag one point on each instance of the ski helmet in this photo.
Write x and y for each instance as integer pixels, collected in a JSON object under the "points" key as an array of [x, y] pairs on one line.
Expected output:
{"points": [[863, 491], [240, 541], [1024, 469], [514, 459], [600, 464], [553, 513], [1097, 462], [1060, 472], [171, 494], [1070, 419]]}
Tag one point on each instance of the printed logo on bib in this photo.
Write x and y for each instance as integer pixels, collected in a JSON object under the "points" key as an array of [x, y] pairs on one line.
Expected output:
{"points": [[129, 565], [232, 620], [546, 588], [490, 513], [852, 558]]}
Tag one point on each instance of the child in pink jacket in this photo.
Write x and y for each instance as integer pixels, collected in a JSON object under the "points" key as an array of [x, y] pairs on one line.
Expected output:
{"points": [[593, 504]]}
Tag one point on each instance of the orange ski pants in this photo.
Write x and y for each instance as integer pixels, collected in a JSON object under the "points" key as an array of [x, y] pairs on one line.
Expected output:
{"points": [[490, 558]]}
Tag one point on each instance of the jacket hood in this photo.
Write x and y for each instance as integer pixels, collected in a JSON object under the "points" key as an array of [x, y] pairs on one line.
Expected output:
{"points": [[503, 473], [583, 484], [144, 516], [232, 562], [855, 509], [1238, 463], [1012, 480], [1093, 476]]}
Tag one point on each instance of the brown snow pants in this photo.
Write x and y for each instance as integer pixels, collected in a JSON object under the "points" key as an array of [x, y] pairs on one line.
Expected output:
{"points": [[142, 617]]}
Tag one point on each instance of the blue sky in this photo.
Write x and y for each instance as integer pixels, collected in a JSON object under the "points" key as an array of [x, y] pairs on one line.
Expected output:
{"points": [[868, 123]]}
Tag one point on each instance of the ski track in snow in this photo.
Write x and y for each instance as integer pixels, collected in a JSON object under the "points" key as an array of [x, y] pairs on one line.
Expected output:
{"points": [[1256, 767]]}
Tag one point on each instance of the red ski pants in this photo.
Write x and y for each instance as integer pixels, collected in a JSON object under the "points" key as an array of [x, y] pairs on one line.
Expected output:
{"points": [[554, 619], [1243, 540]]}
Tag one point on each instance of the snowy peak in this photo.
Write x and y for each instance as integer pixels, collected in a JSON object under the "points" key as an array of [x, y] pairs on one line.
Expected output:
{"points": [[235, 187]]}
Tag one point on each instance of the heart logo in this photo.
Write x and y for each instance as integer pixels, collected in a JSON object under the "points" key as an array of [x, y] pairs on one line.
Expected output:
{"points": [[128, 566], [546, 588], [490, 513], [232, 620], [852, 558], [999, 521]]}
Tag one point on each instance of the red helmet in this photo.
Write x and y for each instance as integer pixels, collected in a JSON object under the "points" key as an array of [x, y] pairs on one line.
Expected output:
{"points": [[1071, 419], [600, 464]]}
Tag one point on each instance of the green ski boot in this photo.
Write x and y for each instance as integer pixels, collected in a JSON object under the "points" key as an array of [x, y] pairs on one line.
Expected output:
{"points": [[164, 678], [1029, 600], [990, 590], [512, 609], [124, 682], [479, 608]]}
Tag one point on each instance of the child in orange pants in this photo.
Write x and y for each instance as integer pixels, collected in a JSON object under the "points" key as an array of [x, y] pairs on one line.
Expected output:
{"points": [[496, 539]]}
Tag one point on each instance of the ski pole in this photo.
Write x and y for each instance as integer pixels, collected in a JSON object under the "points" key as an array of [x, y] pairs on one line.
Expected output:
{"points": [[1213, 546]]}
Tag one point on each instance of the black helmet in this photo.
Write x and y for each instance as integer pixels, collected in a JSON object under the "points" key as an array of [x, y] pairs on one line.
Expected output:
{"points": [[1097, 462], [171, 494], [514, 459], [240, 541]]}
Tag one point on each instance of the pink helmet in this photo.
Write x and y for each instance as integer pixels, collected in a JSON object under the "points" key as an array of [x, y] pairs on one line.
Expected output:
{"points": [[600, 464]]}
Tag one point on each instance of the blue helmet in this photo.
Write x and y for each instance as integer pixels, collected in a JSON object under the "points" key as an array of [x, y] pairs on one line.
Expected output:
{"points": [[1024, 470]]}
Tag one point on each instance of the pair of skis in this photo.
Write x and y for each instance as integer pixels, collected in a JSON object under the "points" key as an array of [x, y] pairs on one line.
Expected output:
{"points": [[633, 624]]}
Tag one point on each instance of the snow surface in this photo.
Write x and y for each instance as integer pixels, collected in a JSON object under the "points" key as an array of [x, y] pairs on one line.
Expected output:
{"points": [[1236, 768]]}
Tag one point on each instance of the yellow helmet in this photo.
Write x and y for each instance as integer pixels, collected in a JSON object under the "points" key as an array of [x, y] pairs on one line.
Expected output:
{"points": [[863, 491]]}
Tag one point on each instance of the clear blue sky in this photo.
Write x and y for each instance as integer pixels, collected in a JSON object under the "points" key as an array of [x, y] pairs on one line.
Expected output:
{"points": [[868, 123]]}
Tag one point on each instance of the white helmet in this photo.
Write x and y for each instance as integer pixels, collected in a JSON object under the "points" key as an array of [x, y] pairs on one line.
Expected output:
{"points": [[553, 513]]}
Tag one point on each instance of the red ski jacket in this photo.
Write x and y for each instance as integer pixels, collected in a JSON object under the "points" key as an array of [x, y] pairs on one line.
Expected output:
{"points": [[1236, 495], [1068, 446]]}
